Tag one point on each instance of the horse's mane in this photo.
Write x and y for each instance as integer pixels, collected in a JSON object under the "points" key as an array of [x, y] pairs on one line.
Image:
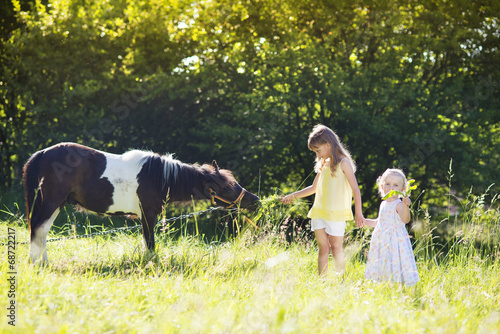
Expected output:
{"points": [[178, 180]]}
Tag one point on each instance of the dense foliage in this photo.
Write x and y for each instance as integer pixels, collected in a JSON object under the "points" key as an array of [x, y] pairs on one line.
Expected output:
{"points": [[405, 83]]}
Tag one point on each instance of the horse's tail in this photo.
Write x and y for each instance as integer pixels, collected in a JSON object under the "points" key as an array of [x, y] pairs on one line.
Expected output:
{"points": [[32, 185]]}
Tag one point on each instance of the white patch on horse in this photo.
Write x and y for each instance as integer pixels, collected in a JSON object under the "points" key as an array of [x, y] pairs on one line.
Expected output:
{"points": [[38, 245], [121, 171]]}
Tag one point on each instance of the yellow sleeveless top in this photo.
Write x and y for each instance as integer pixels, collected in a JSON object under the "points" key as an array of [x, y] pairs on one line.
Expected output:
{"points": [[333, 200]]}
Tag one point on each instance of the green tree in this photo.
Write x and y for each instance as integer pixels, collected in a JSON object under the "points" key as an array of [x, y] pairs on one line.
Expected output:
{"points": [[405, 84]]}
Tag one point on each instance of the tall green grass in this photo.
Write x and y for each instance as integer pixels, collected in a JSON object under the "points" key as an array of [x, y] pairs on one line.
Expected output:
{"points": [[264, 280]]}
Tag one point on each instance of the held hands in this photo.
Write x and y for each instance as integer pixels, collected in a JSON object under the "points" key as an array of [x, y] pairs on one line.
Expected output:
{"points": [[360, 220], [370, 222]]}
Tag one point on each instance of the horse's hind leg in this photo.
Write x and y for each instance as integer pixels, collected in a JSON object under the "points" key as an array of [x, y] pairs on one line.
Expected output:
{"points": [[40, 226]]}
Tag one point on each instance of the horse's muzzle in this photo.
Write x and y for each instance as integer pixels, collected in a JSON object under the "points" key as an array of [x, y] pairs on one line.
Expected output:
{"points": [[250, 201]]}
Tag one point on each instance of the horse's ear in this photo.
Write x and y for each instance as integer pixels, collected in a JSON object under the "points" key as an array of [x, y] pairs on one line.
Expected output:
{"points": [[214, 163]]}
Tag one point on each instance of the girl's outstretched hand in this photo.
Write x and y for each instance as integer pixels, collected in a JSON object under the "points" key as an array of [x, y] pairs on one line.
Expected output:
{"points": [[288, 199]]}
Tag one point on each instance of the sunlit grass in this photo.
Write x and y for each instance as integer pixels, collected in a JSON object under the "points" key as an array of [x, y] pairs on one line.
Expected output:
{"points": [[258, 282]]}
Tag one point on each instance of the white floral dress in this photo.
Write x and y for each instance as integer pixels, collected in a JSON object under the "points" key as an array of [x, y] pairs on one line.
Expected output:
{"points": [[391, 256]]}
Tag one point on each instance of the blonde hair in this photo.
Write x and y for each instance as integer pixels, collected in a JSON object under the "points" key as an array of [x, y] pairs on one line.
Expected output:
{"points": [[324, 135], [390, 171]]}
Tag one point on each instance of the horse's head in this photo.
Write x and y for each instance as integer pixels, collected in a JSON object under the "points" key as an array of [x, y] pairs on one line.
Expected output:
{"points": [[226, 192]]}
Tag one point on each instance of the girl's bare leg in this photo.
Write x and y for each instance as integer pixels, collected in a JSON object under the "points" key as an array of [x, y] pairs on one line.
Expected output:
{"points": [[336, 244], [324, 250]]}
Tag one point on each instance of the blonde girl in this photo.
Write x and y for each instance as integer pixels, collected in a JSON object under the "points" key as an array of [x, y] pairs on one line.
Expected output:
{"points": [[335, 185], [391, 257]]}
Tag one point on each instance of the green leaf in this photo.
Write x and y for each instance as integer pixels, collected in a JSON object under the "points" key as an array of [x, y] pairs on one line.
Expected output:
{"points": [[392, 193]]}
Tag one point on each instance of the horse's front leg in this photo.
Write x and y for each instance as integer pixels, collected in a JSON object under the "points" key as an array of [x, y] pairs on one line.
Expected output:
{"points": [[148, 221]]}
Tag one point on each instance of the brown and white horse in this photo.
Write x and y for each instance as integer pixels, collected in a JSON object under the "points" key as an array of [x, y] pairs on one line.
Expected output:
{"points": [[134, 183]]}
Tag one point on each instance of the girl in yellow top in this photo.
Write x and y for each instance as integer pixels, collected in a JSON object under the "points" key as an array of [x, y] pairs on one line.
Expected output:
{"points": [[334, 186]]}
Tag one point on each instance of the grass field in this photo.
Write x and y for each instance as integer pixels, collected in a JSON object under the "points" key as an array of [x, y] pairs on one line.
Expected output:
{"points": [[255, 283]]}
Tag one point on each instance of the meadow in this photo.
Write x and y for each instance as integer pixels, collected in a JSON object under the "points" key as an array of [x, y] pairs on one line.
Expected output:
{"points": [[264, 280]]}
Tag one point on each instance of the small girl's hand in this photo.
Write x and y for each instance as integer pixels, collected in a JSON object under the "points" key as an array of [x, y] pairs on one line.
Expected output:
{"points": [[288, 199], [407, 201], [370, 222]]}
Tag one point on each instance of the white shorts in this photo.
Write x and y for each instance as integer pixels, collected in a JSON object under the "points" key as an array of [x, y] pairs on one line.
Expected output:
{"points": [[335, 228]]}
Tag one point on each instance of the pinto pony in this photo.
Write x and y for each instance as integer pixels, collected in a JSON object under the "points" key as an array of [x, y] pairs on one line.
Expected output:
{"points": [[134, 183]]}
